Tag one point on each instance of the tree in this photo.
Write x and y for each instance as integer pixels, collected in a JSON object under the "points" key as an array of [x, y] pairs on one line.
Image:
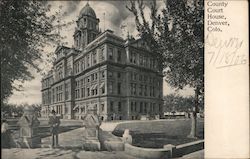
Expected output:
{"points": [[26, 29], [176, 39], [175, 102]]}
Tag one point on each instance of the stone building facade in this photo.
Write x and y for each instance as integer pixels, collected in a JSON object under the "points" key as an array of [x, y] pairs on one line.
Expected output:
{"points": [[121, 78]]}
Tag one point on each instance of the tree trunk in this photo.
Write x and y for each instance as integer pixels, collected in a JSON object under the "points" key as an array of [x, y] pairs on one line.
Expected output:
{"points": [[194, 116], [193, 126]]}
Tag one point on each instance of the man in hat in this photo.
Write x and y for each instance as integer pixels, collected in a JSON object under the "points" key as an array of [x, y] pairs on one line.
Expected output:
{"points": [[54, 123]]}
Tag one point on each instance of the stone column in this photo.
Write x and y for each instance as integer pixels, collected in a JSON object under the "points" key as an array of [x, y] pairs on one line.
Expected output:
{"points": [[29, 136], [91, 124]]}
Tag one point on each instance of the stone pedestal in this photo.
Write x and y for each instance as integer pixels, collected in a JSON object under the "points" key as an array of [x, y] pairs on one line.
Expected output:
{"points": [[28, 123], [92, 145], [91, 124]]}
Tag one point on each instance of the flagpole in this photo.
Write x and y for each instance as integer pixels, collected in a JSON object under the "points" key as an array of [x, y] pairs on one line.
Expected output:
{"points": [[104, 21]]}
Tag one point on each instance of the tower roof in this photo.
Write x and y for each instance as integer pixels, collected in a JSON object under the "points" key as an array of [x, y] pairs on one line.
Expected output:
{"points": [[87, 11]]}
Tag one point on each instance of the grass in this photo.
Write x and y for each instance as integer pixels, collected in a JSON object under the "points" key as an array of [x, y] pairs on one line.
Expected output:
{"points": [[156, 134], [44, 129]]}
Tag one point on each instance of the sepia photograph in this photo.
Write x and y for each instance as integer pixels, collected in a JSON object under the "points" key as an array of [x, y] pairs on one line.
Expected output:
{"points": [[102, 79]]}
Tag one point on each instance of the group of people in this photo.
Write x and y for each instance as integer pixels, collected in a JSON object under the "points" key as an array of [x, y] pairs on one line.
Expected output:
{"points": [[54, 123]]}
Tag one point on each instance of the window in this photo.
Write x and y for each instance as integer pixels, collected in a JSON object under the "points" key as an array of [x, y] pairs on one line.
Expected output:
{"points": [[66, 91], [94, 57], [88, 62], [145, 78], [150, 91], [160, 108], [82, 82], [131, 106], [153, 93], [53, 95], [131, 57], [103, 74], [135, 76], [96, 92], [133, 88], [118, 88], [110, 74], [131, 75], [82, 92], [141, 107], [140, 89], [102, 107], [103, 89], [111, 106], [119, 106], [145, 91], [78, 93], [83, 109], [102, 54], [151, 63], [146, 61], [110, 87], [150, 79], [110, 53], [145, 107], [141, 60], [118, 75], [134, 58], [135, 105], [96, 76], [119, 56], [140, 77], [88, 91]]}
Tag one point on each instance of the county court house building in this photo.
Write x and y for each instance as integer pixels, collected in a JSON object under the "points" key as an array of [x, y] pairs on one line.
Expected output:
{"points": [[120, 78]]}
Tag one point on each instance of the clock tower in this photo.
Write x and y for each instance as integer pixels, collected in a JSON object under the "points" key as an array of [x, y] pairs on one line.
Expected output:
{"points": [[87, 27]]}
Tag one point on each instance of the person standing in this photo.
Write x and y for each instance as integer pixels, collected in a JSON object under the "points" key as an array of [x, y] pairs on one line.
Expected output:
{"points": [[5, 134], [54, 123]]}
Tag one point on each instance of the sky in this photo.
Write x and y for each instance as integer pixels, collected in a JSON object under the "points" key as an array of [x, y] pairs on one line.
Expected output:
{"points": [[112, 15]]}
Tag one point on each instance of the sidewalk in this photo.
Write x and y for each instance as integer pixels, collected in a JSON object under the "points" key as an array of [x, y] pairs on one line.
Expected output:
{"points": [[47, 153], [69, 139], [74, 138]]}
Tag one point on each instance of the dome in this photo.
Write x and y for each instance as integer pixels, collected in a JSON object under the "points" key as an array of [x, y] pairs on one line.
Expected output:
{"points": [[87, 11]]}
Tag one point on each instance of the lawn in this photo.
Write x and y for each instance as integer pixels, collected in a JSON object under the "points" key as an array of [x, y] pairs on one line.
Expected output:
{"points": [[44, 129], [156, 134]]}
